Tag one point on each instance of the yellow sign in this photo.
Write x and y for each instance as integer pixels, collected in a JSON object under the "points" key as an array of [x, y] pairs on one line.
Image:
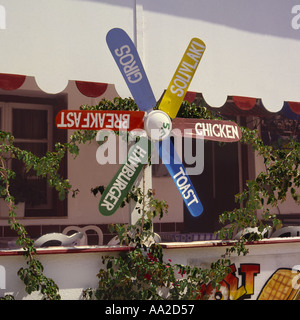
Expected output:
{"points": [[182, 78]]}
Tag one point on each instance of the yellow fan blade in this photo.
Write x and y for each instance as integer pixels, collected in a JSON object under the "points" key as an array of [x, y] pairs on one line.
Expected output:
{"points": [[182, 78]]}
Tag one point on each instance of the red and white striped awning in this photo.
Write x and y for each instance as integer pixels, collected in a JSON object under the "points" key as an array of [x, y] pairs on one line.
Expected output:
{"points": [[245, 106], [89, 89], [235, 105]]}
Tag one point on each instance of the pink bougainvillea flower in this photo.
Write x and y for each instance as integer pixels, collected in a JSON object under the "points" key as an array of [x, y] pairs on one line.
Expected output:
{"points": [[147, 276]]}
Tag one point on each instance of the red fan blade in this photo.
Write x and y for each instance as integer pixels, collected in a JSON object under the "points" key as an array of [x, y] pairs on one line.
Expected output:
{"points": [[100, 119], [216, 130]]}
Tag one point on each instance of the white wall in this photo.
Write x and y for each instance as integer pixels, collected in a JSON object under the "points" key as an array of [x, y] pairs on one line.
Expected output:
{"points": [[252, 46], [74, 272]]}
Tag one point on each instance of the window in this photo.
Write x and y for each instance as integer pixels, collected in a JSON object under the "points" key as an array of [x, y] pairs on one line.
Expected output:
{"points": [[278, 129], [31, 122]]}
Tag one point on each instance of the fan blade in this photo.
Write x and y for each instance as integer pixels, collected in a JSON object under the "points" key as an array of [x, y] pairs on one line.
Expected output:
{"points": [[100, 119], [215, 130], [178, 173], [182, 78], [127, 58], [121, 184]]}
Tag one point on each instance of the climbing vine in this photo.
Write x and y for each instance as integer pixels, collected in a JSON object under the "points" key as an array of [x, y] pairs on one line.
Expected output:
{"points": [[141, 273], [45, 167], [271, 187]]}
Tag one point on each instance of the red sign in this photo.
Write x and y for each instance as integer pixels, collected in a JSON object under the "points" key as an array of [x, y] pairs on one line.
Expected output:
{"points": [[99, 119], [216, 130]]}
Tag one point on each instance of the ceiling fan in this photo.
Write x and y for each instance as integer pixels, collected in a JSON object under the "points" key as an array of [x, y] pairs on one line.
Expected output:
{"points": [[157, 124]]}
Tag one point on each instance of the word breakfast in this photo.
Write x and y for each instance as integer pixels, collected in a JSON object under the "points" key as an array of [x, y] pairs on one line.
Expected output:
{"points": [[99, 119]]}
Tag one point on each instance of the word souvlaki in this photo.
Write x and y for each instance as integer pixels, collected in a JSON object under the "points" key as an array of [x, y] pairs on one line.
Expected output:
{"points": [[186, 69]]}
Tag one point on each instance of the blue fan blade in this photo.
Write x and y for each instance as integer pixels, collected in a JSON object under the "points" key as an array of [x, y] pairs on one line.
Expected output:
{"points": [[127, 58], [178, 173]]}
